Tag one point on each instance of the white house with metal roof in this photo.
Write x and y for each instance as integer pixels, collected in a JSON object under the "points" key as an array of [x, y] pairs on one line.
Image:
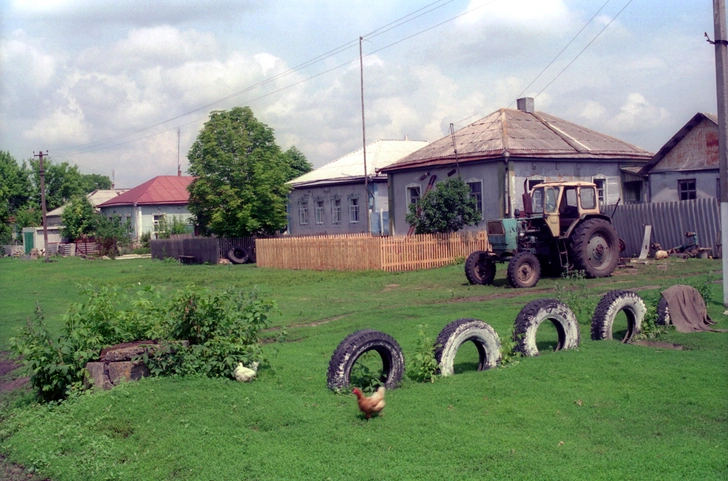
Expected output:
{"points": [[333, 199]]}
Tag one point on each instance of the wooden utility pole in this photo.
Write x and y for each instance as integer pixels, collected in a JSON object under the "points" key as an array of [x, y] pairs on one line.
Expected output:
{"points": [[364, 139], [41, 171]]}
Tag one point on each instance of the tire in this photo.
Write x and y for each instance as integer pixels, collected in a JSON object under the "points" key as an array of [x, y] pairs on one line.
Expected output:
{"points": [[524, 270], [356, 344], [612, 304], [457, 333], [238, 255], [480, 268], [663, 313], [595, 248], [531, 317]]}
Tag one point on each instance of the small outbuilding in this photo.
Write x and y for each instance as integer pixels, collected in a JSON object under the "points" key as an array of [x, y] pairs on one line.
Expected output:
{"points": [[687, 166], [510, 151]]}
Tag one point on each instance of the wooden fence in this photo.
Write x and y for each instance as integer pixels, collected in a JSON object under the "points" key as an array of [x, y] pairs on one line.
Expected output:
{"points": [[195, 250], [363, 252]]}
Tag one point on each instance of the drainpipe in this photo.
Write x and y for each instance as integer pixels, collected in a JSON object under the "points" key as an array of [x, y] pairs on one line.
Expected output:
{"points": [[509, 187]]}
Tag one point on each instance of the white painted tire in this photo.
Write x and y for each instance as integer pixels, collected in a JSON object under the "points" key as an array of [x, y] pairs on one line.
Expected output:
{"points": [[531, 317], [612, 304], [457, 333]]}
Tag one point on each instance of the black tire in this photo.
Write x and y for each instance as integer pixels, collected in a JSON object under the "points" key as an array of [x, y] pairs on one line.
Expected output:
{"points": [[457, 333], [356, 344], [531, 317], [612, 304], [480, 268], [524, 270], [238, 255], [595, 248], [663, 313]]}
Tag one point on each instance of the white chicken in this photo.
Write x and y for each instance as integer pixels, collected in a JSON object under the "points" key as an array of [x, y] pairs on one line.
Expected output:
{"points": [[245, 374]]}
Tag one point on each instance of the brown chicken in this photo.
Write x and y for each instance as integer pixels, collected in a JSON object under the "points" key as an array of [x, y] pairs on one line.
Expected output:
{"points": [[372, 404]]}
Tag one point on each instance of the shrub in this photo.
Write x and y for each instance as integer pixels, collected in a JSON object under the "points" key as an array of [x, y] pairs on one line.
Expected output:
{"points": [[424, 367]]}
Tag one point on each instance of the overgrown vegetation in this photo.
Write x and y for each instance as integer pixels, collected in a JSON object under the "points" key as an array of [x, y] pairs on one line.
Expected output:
{"points": [[447, 208], [572, 289], [423, 367], [223, 329]]}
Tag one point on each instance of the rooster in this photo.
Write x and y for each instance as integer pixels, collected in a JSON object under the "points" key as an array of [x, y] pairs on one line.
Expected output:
{"points": [[372, 404]]}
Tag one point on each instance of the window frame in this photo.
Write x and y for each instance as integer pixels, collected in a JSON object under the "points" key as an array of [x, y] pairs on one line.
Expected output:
{"points": [[303, 211], [479, 195], [335, 210], [408, 194], [318, 206], [685, 193], [353, 203], [602, 194]]}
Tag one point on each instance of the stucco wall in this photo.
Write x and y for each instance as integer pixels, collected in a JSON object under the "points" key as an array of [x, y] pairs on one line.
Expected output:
{"points": [[142, 217], [327, 194], [496, 184], [664, 185]]}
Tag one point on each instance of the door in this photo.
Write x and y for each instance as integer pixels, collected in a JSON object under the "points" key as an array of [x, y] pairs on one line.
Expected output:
{"points": [[28, 241]]}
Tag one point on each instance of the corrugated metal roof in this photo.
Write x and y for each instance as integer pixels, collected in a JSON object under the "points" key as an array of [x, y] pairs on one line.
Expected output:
{"points": [[524, 135], [670, 144], [350, 167], [96, 197], [163, 189]]}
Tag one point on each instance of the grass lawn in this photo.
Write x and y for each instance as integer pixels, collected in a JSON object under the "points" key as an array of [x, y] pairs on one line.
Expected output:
{"points": [[604, 411]]}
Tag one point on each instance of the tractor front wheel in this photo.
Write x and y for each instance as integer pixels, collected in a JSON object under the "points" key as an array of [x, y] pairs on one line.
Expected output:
{"points": [[524, 270]]}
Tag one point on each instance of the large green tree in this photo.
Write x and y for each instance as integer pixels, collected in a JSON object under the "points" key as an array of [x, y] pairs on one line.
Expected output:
{"points": [[298, 164], [14, 192], [63, 182], [446, 208], [79, 218], [240, 173]]}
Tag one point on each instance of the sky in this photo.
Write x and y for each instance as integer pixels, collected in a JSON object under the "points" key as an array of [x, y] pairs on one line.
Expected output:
{"points": [[107, 85]]}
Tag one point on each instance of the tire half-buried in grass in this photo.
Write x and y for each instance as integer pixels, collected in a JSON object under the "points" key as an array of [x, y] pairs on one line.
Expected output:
{"points": [[531, 317], [356, 344], [614, 302], [457, 333]]}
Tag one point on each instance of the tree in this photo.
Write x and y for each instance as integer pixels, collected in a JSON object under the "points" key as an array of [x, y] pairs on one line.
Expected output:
{"points": [[298, 164], [240, 172], [447, 208], [79, 218], [63, 182]]}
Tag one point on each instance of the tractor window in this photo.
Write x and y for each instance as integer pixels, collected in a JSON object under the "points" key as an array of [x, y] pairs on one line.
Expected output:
{"points": [[552, 195], [588, 198], [570, 195], [537, 201]]}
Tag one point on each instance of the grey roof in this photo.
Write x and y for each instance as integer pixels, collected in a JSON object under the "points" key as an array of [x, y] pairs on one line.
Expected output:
{"points": [[534, 135], [96, 197], [670, 144], [350, 167]]}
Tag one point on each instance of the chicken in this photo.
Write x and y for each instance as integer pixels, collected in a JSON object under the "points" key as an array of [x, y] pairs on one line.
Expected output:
{"points": [[245, 374], [372, 404]]}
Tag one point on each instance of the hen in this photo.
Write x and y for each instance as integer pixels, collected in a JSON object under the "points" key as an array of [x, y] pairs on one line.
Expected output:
{"points": [[372, 404], [245, 374]]}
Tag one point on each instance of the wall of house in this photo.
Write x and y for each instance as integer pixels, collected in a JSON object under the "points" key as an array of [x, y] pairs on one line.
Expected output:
{"points": [[299, 224], [499, 179], [143, 217], [663, 186]]}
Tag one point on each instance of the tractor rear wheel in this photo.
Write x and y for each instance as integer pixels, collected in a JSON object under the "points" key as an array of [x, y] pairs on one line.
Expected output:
{"points": [[595, 248], [524, 270], [479, 268]]}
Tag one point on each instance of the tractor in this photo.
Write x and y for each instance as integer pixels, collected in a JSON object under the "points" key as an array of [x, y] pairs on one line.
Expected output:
{"points": [[560, 228]]}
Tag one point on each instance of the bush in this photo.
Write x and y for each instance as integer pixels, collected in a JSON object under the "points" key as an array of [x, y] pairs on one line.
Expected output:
{"points": [[424, 366], [222, 328]]}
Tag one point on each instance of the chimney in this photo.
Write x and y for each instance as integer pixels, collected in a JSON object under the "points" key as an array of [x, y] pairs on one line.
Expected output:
{"points": [[525, 104]]}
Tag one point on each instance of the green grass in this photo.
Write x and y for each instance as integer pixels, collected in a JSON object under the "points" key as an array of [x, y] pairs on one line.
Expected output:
{"points": [[604, 411]]}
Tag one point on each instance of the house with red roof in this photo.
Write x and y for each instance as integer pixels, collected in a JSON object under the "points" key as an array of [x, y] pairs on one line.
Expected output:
{"points": [[149, 205]]}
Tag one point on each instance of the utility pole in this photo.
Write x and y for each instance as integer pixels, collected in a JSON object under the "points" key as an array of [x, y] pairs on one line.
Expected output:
{"points": [[41, 171], [364, 138], [721, 61]]}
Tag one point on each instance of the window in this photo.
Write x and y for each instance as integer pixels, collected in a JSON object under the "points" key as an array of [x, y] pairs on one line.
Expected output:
{"points": [[476, 192], [533, 182], [303, 212], [601, 190], [686, 189], [633, 191], [588, 200], [335, 210], [413, 194], [159, 223], [319, 211], [354, 209], [552, 195], [537, 201]]}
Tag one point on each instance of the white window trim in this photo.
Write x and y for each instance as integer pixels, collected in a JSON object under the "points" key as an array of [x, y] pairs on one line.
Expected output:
{"points": [[606, 193], [534, 177], [474, 180], [303, 213], [335, 219], [319, 219], [407, 192], [358, 208]]}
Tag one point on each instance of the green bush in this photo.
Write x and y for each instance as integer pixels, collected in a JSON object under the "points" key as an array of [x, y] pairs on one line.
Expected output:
{"points": [[424, 366], [223, 330]]}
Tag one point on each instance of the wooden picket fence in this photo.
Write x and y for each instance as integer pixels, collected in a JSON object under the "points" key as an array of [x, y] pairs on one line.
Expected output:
{"points": [[356, 252]]}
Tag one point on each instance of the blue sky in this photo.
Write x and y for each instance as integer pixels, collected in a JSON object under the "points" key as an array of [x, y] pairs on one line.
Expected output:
{"points": [[105, 85]]}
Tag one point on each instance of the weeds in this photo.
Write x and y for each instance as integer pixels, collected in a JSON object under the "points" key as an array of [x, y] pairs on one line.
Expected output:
{"points": [[362, 374], [572, 291], [508, 352], [424, 367]]}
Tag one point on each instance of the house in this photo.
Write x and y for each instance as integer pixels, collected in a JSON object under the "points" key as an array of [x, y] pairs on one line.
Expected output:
{"points": [[150, 204], [510, 151], [99, 196], [687, 166], [332, 198]]}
